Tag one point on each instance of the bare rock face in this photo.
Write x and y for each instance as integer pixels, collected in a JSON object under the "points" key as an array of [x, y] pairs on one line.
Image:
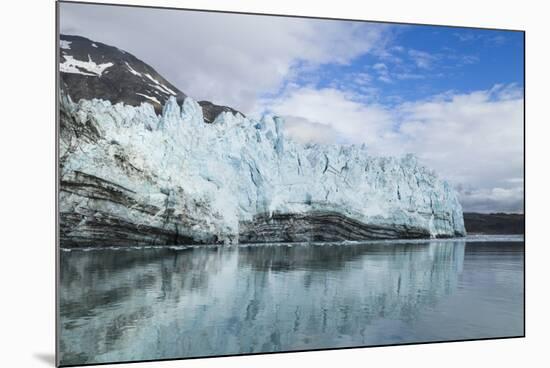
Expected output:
{"points": [[131, 177], [320, 226]]}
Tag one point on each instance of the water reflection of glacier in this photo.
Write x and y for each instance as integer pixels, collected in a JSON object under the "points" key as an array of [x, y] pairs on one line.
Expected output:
{"points": [[167, 303]]}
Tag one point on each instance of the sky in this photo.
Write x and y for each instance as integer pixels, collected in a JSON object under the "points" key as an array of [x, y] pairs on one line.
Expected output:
{"points": [[451, 96]]}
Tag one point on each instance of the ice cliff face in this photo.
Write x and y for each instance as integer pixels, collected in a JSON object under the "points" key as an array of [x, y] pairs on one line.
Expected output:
{"points": [[131, 177]]}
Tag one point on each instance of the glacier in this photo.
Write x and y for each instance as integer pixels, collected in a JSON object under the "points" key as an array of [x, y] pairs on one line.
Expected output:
{"points": [[131, 177]]}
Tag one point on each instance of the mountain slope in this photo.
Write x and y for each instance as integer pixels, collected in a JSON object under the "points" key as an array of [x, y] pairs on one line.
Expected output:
{"points": [[90, 69]]}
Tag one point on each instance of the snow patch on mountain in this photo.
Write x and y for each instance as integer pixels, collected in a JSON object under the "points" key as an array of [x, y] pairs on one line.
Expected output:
{"points": [[161, 87], [132, 70], [154, 99], [66, 45], [89, 68]]}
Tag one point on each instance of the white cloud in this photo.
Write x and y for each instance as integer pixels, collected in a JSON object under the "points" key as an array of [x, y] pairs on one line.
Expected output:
{"points": [[466, 36], [352, 121], [470, 59], [422, 59], [493, 199], [409, 76], [383, 72], [491, 40], [474, 140], [306, 131], [228, 58], [362, 79]]}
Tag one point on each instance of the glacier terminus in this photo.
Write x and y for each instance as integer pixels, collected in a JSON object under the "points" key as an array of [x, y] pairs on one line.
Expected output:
{"points": [[130, 176]]}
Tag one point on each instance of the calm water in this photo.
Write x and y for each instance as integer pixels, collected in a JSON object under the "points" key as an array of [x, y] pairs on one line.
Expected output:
{"points": [[140, 304]]}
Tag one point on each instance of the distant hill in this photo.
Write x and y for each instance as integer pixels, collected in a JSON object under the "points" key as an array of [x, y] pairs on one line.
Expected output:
{"points": [[494, 223]]}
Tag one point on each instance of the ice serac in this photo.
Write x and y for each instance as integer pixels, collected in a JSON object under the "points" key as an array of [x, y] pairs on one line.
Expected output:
{"points": [[131, 177]]}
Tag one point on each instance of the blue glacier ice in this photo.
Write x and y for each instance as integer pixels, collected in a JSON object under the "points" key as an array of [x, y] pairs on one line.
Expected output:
{"points": [[130, 176]]}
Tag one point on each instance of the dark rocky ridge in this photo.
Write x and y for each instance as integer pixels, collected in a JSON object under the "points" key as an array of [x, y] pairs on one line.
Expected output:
{"points": [[118, 83], [211, 111], [494, 223]]}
